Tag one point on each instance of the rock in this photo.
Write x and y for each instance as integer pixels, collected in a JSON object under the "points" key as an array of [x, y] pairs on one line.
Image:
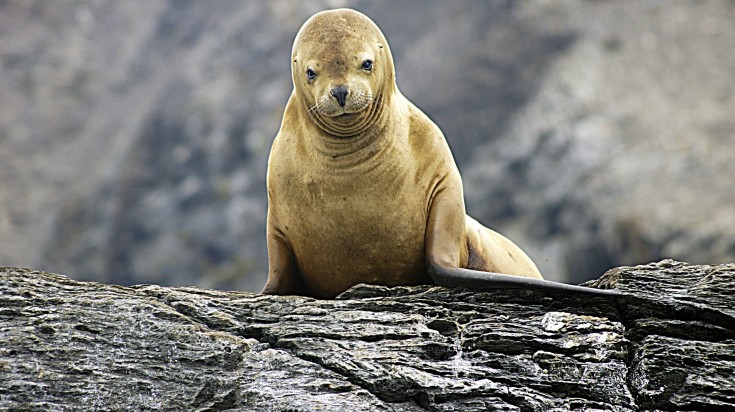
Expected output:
{"points": [[667, 343], [134, 135]]}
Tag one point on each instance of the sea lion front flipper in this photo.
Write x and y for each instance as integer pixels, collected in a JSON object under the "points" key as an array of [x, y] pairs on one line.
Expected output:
{"points": [[283, 274]]}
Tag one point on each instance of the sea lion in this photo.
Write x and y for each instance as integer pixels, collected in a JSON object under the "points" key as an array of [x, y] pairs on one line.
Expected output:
{"points": [[362, 186]]}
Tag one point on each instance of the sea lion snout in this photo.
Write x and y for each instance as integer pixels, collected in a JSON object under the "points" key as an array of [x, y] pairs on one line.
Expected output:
{"points": [[340, 93]]}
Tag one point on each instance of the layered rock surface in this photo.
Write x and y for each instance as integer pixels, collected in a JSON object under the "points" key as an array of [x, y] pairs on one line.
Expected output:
{"points": [[667, 343]]}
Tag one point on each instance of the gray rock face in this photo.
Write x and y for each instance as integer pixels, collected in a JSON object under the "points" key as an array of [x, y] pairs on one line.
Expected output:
{"points": [[134, 135], [667, 344]]}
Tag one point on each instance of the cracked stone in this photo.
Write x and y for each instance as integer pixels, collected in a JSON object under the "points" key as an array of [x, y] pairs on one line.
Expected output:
{"points": [[667, 343]]}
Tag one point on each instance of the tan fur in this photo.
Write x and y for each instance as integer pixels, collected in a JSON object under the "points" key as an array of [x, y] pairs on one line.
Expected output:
{"points": [[367, 192]]}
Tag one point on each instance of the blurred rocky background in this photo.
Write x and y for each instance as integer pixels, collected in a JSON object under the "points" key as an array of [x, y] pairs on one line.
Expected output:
{"points": [[134, 135]]}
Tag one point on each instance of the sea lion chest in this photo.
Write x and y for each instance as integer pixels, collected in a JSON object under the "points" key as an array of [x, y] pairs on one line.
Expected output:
{"points": [[355, 218]]}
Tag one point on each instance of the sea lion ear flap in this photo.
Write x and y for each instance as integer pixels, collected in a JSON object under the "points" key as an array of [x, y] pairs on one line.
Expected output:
{"points": [[295, 63], [295, 69]]}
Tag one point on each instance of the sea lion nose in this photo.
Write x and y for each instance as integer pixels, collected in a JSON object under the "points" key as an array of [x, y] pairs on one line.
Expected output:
{"points": [[340, 93]]}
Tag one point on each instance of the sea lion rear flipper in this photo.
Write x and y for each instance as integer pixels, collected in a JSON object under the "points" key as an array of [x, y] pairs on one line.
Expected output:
{"points": [[458, 277], [446, 250]]}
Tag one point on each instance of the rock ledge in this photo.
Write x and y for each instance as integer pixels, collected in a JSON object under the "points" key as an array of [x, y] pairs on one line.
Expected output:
{"points": [[667, 343]]}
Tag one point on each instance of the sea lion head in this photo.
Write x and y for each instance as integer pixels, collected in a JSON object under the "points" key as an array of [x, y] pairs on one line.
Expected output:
{"points": [[342, 71]]}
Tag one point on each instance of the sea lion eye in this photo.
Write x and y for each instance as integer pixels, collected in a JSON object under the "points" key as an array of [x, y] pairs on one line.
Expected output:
{"points": [[367, 65], [310, 74]]}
